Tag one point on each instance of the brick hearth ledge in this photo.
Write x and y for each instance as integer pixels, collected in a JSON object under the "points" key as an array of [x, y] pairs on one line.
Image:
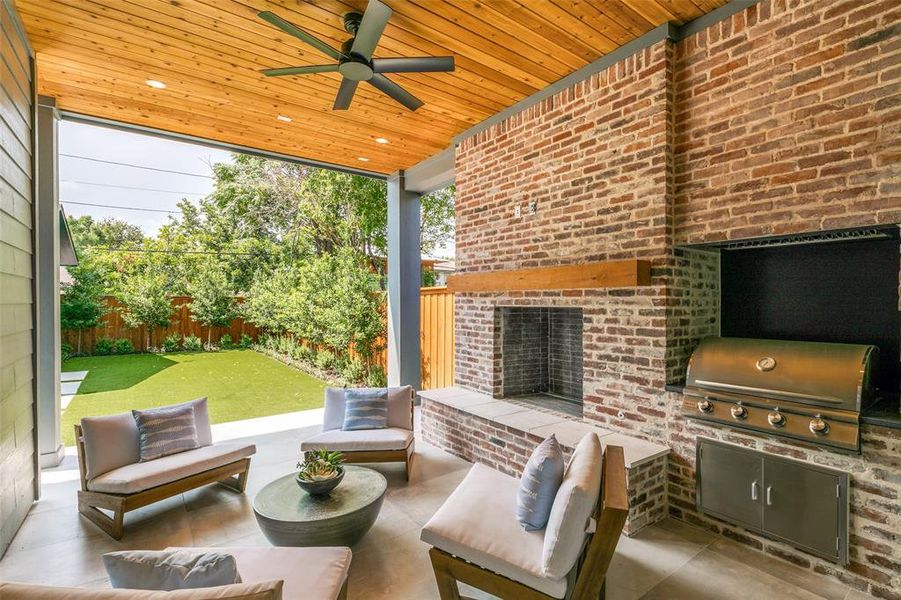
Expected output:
{"points": [[500, 434]]}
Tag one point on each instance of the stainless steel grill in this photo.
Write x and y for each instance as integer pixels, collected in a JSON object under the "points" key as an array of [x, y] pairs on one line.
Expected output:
{"points": [[809, 391]]}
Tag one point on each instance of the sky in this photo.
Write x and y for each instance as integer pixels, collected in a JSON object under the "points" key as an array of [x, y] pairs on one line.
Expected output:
{"points": [[183, 172], [114, 168]]}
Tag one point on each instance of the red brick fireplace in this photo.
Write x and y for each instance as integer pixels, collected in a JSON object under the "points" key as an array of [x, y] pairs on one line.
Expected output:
{"points": [[783, 118]]}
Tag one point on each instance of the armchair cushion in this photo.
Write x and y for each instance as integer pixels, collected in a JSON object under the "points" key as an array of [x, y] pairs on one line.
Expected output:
{"points": [[477, 523], [390, 438], [573, 508], [309, 573], [399, 402], [111, 441], [268, 590], [140, 476]]}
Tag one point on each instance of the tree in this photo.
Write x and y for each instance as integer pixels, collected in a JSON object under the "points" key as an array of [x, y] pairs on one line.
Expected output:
{"points": [[145, 301], [81, 306], [436, 223], [213, 302], [108, 233]]}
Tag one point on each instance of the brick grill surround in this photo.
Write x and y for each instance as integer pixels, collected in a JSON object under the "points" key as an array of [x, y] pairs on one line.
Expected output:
{"points": [[783, 118]]}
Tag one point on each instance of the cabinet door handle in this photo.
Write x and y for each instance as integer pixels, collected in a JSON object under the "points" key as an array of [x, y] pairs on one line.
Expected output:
{"points": [[769, 495], [753, 490]]}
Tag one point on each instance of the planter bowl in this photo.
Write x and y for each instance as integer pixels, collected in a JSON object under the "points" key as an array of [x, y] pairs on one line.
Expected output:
{"points": [[320, 488]]}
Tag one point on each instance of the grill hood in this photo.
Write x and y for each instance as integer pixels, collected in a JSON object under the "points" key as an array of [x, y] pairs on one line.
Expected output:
{"points": [[832, 376]]}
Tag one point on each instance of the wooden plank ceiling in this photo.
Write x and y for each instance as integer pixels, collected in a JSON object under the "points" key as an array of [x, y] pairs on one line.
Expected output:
{"points": [[94, 57]]}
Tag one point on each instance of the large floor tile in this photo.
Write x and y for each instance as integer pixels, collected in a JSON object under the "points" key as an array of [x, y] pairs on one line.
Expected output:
{"points": [[653, 554], [713, 576]]}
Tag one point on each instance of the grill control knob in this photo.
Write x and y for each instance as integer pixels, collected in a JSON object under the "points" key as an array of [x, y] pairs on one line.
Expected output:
{"points": [[705, 406], [739, 412], [776, 419], [818, 426]]}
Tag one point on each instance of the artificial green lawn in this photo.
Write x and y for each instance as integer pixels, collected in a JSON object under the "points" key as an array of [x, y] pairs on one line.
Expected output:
{"points": [[240, 384]]}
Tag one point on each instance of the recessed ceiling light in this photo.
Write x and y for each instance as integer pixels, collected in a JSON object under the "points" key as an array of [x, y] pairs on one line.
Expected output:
{"points": [[158, 85], [381, 140], [284, 118], [363, 158]]}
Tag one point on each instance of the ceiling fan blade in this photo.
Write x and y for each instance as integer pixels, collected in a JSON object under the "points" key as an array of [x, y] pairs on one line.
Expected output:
{"points": [[299, 70], [396, 92], [300, 34], [345, 94], [421, 64], [371, 27]]}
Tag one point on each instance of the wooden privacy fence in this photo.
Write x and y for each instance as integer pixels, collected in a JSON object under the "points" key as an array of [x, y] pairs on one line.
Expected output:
{"points": [[113, 326], [436, 333]]}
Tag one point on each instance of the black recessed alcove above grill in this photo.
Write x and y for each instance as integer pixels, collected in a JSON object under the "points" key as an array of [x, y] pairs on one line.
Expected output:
{"points": [[840, 291]]}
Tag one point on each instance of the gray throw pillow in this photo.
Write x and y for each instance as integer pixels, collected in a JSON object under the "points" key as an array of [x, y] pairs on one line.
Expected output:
{"points": [[539, 484], [167, 430], [170, 569], [365, 409]]}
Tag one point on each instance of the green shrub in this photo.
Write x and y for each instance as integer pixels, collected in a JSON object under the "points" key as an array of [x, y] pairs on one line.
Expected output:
{"points": [[192, 343], [103, 346], [246, 341], [325, 360], [124, 346], [376, 377], [172, 343], [225, 342], [66, 351], [353, 371], [306, 353]]}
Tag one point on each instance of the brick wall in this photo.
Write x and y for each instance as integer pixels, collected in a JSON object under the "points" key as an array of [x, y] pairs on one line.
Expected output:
{"points": [[783, 118]]}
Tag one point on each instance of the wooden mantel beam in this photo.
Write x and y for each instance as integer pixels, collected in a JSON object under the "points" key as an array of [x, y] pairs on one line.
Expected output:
{"points": [[608, 274]]}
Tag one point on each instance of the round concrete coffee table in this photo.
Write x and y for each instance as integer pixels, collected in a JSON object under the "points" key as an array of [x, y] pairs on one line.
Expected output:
{"points": [[289, 516]]}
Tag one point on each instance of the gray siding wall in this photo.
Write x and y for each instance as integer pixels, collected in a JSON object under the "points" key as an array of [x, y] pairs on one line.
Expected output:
{"points": [[18, 471]]}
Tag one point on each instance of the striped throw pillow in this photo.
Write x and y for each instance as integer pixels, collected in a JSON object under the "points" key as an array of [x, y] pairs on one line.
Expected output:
{"points": [[165, 431], [365, 409], [539, 484]]}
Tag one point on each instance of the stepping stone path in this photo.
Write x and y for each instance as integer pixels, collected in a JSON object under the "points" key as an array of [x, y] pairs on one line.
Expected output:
{"points": [[70, 382]]}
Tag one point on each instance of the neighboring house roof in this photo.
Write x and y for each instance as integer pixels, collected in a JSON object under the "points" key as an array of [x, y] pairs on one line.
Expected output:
{"points": [[65, 278], [68, 256]]}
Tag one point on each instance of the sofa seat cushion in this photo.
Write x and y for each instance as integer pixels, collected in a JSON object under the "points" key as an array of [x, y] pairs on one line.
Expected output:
{"points": [[390, 438], [269, 590], [478, 523], [308, 573], [141, 476]]}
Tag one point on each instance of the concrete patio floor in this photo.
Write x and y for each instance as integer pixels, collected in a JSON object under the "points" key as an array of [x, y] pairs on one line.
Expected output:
{"points": [[670, 560]]}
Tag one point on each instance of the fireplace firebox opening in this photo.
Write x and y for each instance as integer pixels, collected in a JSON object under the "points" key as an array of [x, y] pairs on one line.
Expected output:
{"points": [[541, 357]]}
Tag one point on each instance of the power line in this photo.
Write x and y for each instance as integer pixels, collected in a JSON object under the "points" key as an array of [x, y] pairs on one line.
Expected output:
{"points": [[130, 187], [124, 164], [158, 210]]}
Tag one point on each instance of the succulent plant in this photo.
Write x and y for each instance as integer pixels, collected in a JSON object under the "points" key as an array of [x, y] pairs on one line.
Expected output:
{"points": [[320, 465]]}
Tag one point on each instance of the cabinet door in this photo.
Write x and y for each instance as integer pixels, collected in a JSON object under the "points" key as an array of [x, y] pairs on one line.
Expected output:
{"points": [[730, 484], [802, 505]]}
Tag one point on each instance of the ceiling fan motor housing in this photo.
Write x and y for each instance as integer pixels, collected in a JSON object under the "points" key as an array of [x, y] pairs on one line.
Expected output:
{"points": [[355, 67]]}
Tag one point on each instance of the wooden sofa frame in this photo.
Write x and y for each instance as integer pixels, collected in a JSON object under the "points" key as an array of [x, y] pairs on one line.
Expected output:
{"points": [[233, 476], [591, 568], [382, 456]]}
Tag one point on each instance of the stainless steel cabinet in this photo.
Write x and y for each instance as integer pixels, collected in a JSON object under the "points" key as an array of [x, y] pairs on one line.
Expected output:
{"points": [[799, 503]]}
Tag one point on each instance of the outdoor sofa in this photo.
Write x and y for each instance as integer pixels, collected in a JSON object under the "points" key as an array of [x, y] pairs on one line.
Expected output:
{"points": [[114, 479], [267, 574], [391, 444]]}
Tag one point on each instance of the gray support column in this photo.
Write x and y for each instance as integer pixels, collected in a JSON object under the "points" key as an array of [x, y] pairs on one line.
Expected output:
{"points": [[47, 286], [404, 278]]}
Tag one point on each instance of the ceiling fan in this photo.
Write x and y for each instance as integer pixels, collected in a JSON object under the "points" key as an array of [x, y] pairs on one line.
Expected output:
{"points": [[355, 62]]}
